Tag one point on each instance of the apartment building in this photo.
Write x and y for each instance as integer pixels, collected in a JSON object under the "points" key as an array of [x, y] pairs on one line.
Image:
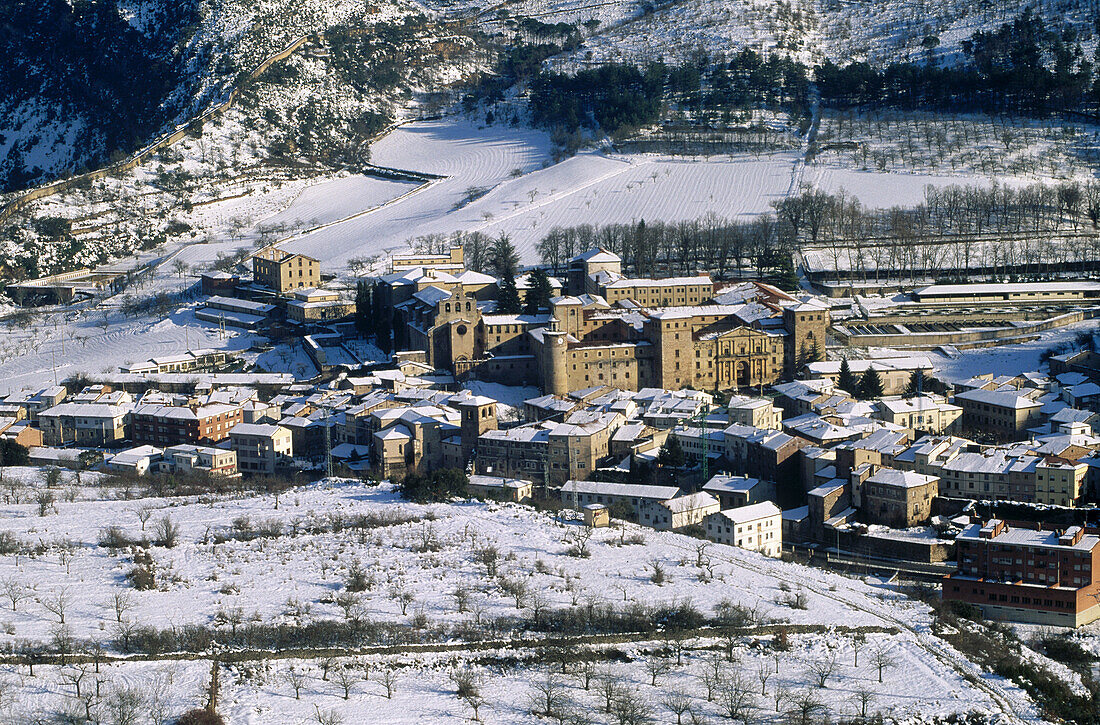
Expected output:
{"points": [[1019, 573], [1059, 482], [85, 424], [993, 473], [261, 447], [283, 271], [757, 527], [168, 425], [1006, 413]]}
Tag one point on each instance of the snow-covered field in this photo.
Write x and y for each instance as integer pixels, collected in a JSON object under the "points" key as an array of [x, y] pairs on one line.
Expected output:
{"points": [[78, 343], [413, 569]]}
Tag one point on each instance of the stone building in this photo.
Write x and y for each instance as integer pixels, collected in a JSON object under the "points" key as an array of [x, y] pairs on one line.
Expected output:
{"points": [[674, 336], [283, 271]]}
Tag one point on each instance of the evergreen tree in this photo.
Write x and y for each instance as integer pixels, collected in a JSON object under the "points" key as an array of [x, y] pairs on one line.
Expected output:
{"points": [[384, 334], [672, 453], [503, 257], [847, 380], [870, 385], [918, 384], [364, 308], [539, 292], [508, 300]]}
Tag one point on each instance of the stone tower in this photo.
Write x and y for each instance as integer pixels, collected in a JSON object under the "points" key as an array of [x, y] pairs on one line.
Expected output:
{"points": [[806, 325], [479, 414], [555, 360]]}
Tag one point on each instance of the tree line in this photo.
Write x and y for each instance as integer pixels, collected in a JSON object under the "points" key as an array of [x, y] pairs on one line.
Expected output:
{"points": [[1026, 65]]}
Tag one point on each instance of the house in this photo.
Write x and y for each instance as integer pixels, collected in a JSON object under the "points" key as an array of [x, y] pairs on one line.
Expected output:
{"points": [[261, 447], [758, 527], [893, 498], [500, 489], [630, 497], [737, 491], [283, 271], [927, 413], [310, 304], [679, 512], [1023, 574], [204, 459], [137, 461]]}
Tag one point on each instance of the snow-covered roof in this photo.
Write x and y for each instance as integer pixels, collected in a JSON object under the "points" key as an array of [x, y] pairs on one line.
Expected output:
{"points": [[999, 398], [731, 484], [628, 490], [753, 512], [941, 290], [596, 255], [900, 479]]}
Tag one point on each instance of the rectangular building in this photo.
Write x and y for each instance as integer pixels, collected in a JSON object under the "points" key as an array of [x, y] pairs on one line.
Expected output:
{"points": [[1027, 575]]}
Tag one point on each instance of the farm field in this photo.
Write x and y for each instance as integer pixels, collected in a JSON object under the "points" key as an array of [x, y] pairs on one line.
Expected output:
{"points": [[419, 565]]}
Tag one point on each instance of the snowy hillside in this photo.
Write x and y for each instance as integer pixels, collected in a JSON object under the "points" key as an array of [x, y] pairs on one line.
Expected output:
{"points": [[345, 552]]}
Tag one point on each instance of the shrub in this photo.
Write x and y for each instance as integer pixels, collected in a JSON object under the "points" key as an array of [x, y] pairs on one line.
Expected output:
{"points": [[200, 716]]}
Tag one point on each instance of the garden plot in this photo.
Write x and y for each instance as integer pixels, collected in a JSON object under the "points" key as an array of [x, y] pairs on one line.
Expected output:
{"points": [[242, 560], [62, 344], [968, 145]]}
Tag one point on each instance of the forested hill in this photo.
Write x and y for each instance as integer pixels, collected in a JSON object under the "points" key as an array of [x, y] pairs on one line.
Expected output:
{"points": [[82, 80]]}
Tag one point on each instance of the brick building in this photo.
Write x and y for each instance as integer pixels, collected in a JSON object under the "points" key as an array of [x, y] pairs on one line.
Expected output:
{"points": [[1022, 574]]}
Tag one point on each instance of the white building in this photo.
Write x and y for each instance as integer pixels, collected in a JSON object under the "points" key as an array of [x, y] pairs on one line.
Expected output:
{"points": [[758, 527], [260, 447]]}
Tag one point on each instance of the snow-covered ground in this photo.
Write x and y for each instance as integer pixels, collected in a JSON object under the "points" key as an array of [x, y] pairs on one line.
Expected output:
{"points": [[430, 552], [59, 345]]}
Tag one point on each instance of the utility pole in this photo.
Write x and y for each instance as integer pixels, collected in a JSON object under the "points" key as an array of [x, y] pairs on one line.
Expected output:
{"points": [[328, 439]]}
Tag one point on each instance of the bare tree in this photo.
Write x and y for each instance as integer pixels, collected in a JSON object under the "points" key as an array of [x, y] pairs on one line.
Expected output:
{"points": [[347, 678], [863, 698], [45, 500], [167, 532], [388, 679], [804, 707], [74, 675], [822, 669], [121, 602], [56, 603], [630, 709], [657, 667], [608, 686], [488, 557], [15, 592], [764, 673], [713, 674], [296, 679], [858, 641], [736, 697], [143, 514], [403, 597], [327, 717], [677, 703], [883, 659], [548, 694], [125, 705]]}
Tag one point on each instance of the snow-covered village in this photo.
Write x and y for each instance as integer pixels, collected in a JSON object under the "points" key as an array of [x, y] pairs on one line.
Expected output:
{"points": [[548, 361]]}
